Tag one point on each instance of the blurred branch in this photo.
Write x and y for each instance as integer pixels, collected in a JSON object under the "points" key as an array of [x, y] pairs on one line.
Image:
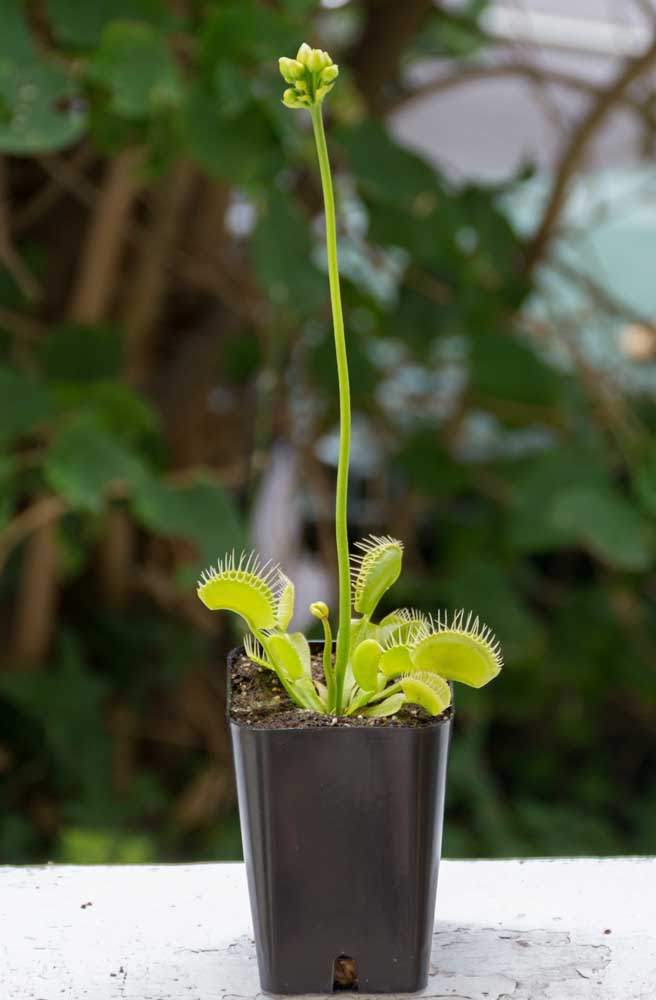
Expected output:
{"points": [[21, 326], [577, 146], [473, 74], [105, 240], [605, 299], [37, 596], [388, 27], [41, 513], [91, 302], [148, 283], [614, 416], [9, 256], [67, 177]]}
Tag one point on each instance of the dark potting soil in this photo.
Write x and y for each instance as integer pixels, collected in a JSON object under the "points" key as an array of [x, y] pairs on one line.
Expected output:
{"points": [[258, 699]]}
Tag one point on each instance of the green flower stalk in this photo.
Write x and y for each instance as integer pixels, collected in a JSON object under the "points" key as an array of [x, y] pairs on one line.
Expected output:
{"points": [[408, 658], [312, 75]]}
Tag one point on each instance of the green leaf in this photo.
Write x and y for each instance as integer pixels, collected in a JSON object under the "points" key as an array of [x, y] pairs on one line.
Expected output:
{"points": [[535, 487], [427, 690], [281, 254], [77, 353], [81, 845], [201, 511], [389, 706], [607, 525], [83, 461], [305, 694], [504, 368], [365, 664], [247, 31], [8, 487], [290, 655], [24, 404], [471, 659], [427, 467], [242, 587], [243, 149], [67, 701], [38, 108], [285, 604], [566, 499], [395, 661], [645, 481], [385, 170], [375, 570], [498, 592], [113, 405], [136, 67], [82, 24]]}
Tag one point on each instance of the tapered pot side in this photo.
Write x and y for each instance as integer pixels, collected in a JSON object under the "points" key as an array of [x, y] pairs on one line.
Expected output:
{"points": [[342, 832]]}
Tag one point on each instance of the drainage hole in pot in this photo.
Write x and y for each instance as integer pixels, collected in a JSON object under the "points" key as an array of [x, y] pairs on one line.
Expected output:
{"points": [[346, 974]]}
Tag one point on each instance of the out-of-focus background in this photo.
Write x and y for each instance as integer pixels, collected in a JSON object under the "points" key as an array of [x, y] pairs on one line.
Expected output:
{"points": [[167, 392]]}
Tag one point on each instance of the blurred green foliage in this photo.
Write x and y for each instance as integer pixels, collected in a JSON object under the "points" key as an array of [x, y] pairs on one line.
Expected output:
{"points": [[163, 318]]}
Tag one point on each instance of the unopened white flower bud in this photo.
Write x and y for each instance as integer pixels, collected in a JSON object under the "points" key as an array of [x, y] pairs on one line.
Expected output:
{"points": [[291, 69], [329, 73], [303, 53]]}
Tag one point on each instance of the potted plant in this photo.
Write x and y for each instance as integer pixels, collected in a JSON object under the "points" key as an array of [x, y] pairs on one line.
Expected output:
{"points": [[341, 747]]}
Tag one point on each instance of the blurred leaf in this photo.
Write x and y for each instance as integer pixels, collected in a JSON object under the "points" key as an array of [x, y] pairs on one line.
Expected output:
{"points": [[504, 368], [564, 498], [135, 65], [8, 487], [427, 467], [454, 34], [242, 149], [386, 171], [428, 242], [84, 460], [39, 112], [24, 404], [115, 407], [82, 24], [241, 356], [73, 353], [66, 701], [201, 511], [248, 30], [233, 89], [78, 846], [487, 588], [281, 254], [645, 481], [606, 524], [362, 374]]}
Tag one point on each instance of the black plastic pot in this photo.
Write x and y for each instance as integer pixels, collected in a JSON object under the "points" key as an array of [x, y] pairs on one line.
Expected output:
{"points": [[342, 833]]}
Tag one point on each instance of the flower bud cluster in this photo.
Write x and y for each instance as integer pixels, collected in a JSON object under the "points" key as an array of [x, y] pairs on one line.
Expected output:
{"points": [[311, 75]]}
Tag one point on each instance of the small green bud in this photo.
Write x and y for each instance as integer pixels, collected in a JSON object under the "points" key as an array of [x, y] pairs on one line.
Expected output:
{"points": [[317, 60], [303, 53], [312, 75], [319, 610], [290, 69], [290, 99], [329, 73]]}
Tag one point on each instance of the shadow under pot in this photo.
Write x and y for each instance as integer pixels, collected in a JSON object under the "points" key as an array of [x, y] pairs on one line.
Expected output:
{"points": [[342, 831]]}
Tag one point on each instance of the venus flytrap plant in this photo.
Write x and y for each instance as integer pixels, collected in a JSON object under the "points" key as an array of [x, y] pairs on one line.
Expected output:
{"points": [[408, 657]]}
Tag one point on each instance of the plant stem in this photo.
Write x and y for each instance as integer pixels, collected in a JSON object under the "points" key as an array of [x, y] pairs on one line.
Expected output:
{"points": [[385, 693], [328, 671], [341, 495]]}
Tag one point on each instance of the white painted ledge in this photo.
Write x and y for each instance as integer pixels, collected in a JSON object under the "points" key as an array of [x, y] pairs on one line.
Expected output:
{"points": [[505, 930]]}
